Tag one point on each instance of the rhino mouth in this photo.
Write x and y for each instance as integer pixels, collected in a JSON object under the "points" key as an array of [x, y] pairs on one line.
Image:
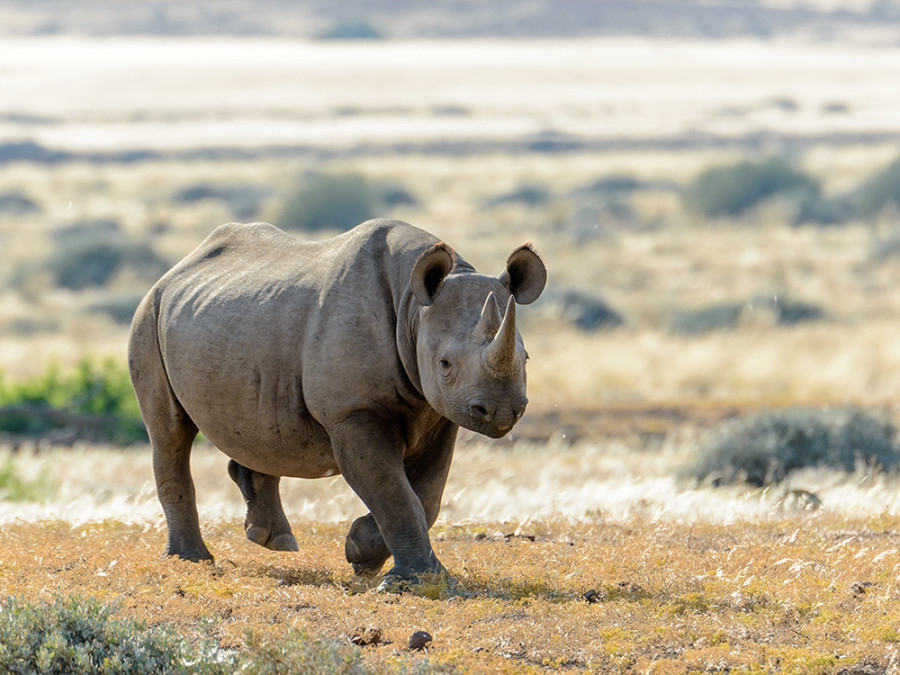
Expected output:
{"points": [[485, 418]]}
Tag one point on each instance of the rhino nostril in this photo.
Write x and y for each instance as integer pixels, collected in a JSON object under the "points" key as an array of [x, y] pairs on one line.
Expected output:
{"points": [[482, 411]]}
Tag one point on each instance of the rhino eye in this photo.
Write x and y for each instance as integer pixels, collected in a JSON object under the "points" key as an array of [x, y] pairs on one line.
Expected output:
{"points": [[445, 364]]}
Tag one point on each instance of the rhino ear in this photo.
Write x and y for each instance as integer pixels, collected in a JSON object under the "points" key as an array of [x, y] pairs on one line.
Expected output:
{"points": [[429, 272], [525, 274]]}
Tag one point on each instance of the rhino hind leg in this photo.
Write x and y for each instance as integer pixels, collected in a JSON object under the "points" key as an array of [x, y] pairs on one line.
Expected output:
{"points": [[365, 549], [265, 523], [171, 433]]}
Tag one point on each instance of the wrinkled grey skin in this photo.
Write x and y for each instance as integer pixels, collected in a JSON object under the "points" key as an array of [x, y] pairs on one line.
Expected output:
{"points": [[360, 355]]}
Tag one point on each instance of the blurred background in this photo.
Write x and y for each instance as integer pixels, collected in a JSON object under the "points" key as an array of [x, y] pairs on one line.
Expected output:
{"points": [[714, 186]]}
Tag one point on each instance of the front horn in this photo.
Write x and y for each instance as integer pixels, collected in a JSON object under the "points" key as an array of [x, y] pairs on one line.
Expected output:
{"points": [[501, 352]]}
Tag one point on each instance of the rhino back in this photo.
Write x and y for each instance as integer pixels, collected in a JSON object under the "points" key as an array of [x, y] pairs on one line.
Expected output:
{"points": [[268, 340]]}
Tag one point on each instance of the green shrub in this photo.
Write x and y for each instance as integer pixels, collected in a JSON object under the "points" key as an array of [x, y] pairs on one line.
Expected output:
{"points": [[726, 315], [613, 184], [714, 317], [94, 402], [350, 30], [818, 210], [120, 308], [330, 202], [94, 261], [880, 191], [16, 203], [527, 195], [79, 635], [589, 312], [15, 488], [94, 228], [733, 190], [765, 448], [298, 653], [243, 200], [391, 195], [790, 312]]}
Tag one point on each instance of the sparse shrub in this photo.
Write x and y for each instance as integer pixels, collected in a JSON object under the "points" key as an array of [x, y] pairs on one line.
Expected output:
{"points": [[79, 635], [94, 228], [589, 312], [765, 448], [243, 200], [527, 195], [95, 402], [298, 653], [612, 184], [92, 261], [789, 312], [881, 191], [120, 309], [714, 317], [818, 210], [330, 201], [726, 315], [15, 488], [350, 30], [17, 203], [733, 190], [392, 195]]}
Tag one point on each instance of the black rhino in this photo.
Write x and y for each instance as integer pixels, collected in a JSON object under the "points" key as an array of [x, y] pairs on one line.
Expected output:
{"points": [[361, 355]]}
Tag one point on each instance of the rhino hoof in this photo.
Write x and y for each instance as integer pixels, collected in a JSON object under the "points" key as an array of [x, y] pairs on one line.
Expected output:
{"points": [[391, 584], [280, 542], [191, 556], [284, 542], [362, 569]]}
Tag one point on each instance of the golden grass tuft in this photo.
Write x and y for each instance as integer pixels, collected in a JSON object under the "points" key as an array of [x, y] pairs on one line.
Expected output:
{"points": [[803, 596]]}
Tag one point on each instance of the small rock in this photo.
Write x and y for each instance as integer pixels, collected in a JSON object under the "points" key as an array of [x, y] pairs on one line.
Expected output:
{"points": [[592, 596], [419, 640], [481, 536], [860, 587], [370, 636]]}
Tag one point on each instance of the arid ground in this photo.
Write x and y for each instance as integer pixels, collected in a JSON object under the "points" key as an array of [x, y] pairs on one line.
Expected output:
{"points": [[577, 544]]}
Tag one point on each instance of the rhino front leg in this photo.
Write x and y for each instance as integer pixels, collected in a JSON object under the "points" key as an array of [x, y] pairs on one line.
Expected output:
{"points": [[365, 549], [265, 523], [369, 452]]}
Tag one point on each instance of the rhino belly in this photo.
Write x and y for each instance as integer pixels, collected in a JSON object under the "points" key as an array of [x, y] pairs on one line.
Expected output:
{"points": [[256, 416]]}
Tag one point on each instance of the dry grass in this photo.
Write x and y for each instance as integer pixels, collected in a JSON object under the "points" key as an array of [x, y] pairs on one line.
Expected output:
{"points": [[802, 595]]}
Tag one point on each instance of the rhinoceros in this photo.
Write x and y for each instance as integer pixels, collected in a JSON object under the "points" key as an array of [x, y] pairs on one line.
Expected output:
{"points": [[359, 355]]}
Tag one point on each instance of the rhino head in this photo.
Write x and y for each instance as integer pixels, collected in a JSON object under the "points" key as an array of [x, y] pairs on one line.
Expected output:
{"points": [[470, 357]]}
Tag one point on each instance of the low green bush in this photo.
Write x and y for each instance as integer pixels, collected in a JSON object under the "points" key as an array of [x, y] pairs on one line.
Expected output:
{"points": [[16, 203], [94, 402], [880, 191], [764, 449], [244, 201], [527, 195], [94, 261], [330, 202], [350, 30], [589, 312], [120, 308], [714, 317], [733, 190], [15, 488], [726, 315], [814, 209], [79, 635]]}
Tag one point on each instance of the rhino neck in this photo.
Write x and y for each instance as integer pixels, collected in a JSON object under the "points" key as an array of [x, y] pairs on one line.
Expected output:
{"points": [[407, 338]]}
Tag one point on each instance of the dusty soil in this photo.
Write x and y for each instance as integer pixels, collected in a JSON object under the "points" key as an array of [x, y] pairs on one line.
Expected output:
{"points": [[809, 594]]}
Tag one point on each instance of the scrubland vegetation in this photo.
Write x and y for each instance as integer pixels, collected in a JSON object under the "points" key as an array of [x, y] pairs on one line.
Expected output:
{"points": [[706, 479]]}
